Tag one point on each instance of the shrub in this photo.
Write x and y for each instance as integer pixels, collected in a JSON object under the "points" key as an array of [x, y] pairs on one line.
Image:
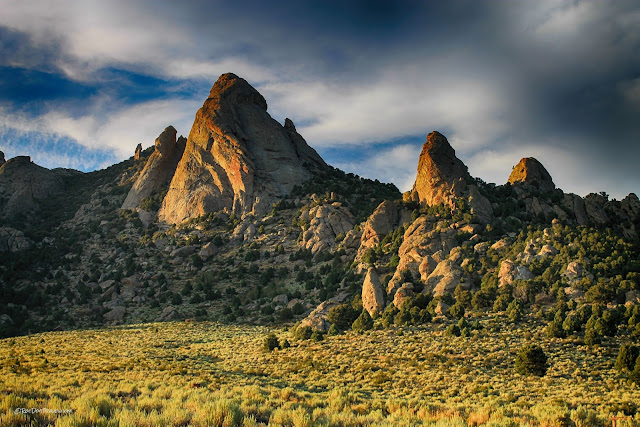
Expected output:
{"points": [[317, 336], [453, 330], [303, 332], [364, 322], [627, 357], [514, 311], [270, 343], [342, 316], [531, 360]]}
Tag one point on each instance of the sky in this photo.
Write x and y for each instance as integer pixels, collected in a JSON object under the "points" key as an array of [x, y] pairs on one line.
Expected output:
{"points": [[83, 82]]}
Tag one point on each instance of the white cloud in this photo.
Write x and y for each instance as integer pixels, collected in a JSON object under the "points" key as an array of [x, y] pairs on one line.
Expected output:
{"points": [[119, 130]]}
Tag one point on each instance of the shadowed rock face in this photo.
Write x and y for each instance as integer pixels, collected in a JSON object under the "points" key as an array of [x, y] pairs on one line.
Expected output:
{"points": [[2, 161], [159, 169], [23, 184], [531, 172], [237, 158], [441, 175]]}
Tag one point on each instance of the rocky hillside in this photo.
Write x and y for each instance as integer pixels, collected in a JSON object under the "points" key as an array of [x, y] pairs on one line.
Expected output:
{"points": [[244, 222]]}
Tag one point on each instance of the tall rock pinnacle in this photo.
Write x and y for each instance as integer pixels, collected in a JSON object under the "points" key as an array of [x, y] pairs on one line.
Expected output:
{"points": [[530, 171], [441, 175], [159, 169], [237, 158]]}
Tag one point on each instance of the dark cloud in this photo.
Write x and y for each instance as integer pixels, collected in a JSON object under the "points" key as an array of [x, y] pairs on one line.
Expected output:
{"points": [[559, 79]]}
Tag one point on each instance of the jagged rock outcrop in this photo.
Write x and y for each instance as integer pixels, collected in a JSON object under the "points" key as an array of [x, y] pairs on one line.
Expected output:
{"points": [[237, 158], [575, 204], [12, 240], [631, 206], [422, 248], [159, 169], [326, 222], [594, 205], [23, 184], [441, 175], [138, 152], [510, 271], [530, 171], [381, 222], [445, 278], [2, 160], [372, 293], [576, 271]]}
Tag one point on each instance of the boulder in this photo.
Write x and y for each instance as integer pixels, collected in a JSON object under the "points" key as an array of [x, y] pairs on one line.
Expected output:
{"points": [[12, 240], [631, 206], [576, 271], [372, 293], [183, 251], [445, 278], [168, 313], [237, 158], [480, 205], [404, 293], [116, 314], [317, 319], [207, 251]]}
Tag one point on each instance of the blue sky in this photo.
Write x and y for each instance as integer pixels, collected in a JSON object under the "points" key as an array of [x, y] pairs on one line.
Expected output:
{"points": [[83, 82]]}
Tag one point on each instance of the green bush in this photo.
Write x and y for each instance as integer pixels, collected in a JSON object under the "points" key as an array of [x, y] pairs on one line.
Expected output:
{"points": [[531, 360], [270, 343], [364, 322], [627, 357], [342, 316]]}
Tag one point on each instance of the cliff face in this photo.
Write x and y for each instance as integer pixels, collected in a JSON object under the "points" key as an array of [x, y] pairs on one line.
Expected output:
{"points": [[237, 158], [159, 169]]}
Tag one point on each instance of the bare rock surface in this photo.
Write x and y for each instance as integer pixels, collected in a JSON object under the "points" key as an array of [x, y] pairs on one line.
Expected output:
{"points": [[529, 171], [237, 158], [12, 240], [441, 175], [372, 293], [23, 184], [159, 169], [510, 271], [326, 222]]}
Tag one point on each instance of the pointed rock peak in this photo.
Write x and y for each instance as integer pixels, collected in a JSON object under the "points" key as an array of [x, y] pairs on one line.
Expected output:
{"points": [[166, 140], [237, 157], [138, 152], [531, 172], [288, 125], [441, 175], [235, 90], [1, 158]]}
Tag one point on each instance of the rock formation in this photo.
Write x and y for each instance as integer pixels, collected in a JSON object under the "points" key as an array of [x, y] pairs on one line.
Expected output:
{"points": [[237, 158], [441, 175], [159, 169], [530, 171], [372, 293], [326, 222], [2, 161], [23, 184], [12, 240], [442, 178], [138, 153]]}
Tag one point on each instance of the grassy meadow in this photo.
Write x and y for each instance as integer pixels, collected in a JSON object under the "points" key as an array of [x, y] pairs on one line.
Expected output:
{"points": [[208, 374]]}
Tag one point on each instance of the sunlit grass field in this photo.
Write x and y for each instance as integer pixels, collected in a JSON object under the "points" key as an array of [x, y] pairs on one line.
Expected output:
{"points": [[207, 374]]}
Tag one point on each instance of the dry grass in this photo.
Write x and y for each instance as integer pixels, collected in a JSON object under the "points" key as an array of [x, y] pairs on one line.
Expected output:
{"points": [[205, 373]]}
